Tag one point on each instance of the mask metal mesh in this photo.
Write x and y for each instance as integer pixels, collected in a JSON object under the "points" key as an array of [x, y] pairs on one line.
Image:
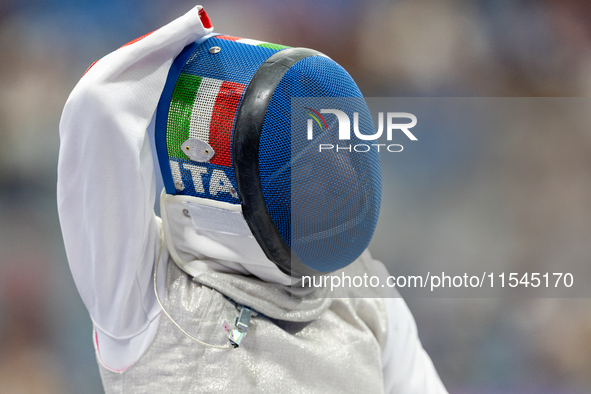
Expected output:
{"points": [[325, 204]]}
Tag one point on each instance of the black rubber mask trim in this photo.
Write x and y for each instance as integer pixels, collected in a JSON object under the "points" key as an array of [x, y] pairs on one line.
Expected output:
{"points": [[245, 155]]}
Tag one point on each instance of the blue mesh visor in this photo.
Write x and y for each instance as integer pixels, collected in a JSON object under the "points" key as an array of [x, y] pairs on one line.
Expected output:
{"points": [[332, 185]]}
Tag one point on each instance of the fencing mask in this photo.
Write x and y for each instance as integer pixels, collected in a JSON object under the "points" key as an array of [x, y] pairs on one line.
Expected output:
{"points": [[268, 127]]}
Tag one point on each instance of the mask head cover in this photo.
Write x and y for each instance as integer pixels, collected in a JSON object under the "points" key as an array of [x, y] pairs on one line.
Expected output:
{"points": [[236, 123]]}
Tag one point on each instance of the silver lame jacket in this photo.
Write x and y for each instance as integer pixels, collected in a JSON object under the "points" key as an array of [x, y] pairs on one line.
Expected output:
{"points": [[312, 344]]}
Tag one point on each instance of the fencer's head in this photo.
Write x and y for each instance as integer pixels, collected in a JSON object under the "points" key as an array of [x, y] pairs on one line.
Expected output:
{"points": [[241, 122]]}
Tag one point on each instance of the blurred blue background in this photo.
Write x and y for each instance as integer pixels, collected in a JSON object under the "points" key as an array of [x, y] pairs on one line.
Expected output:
{"points": [[391, 48]]}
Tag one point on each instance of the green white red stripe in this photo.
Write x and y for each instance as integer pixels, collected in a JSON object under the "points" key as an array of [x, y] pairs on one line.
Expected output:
{"points": [[212, 104]]}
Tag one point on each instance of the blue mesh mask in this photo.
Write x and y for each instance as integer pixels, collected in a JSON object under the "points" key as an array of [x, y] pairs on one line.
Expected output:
{"points": [[261, 125]]}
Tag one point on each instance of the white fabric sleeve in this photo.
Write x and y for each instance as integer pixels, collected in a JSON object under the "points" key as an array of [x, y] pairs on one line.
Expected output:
{"points": [[406, 366], [106, 183]]}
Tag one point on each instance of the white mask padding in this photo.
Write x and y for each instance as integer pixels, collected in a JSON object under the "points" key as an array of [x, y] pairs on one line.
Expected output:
{"points": [[204, 235], [217, 220]]}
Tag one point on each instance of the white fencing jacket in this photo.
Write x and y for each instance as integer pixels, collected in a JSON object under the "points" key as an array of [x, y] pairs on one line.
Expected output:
{"points": [[106, 193]]}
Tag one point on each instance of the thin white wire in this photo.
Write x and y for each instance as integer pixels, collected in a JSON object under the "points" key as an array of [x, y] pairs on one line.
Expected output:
{"points": [[164, 310]]}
